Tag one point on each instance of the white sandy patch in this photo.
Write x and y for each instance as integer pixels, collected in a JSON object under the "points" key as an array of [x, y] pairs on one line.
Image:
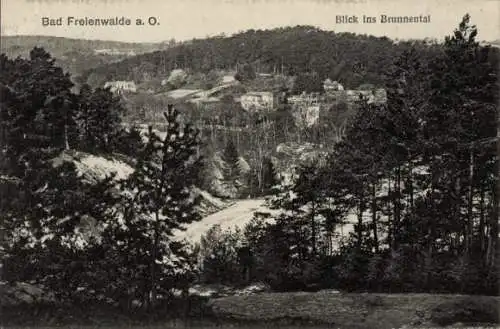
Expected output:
{"points": [[102, 167], [236, 215]]}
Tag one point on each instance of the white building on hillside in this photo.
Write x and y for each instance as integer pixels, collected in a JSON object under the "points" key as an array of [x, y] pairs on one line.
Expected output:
{"points": [[304, 98], [329, 85], [118, 87], [228, 79], [257, 101]]}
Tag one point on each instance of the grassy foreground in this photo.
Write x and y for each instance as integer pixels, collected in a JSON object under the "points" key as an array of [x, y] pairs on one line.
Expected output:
{"points": [[370, 311], [291, 310]]}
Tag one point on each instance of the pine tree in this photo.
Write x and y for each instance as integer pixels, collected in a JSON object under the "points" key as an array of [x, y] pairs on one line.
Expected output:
{"points": [[98, 118], [422, 162], [269, 176], [252, 182], [37, 110], [231, 170], [35, 114], [163, 181], [127, 141], [308, 83], [245, 72], [467, 84]]}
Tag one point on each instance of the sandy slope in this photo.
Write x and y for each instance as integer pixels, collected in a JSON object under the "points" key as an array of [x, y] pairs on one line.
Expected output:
{"points": [[238, 214]]}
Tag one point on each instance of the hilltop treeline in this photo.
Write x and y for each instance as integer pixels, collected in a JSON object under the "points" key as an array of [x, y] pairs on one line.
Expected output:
{"points": [[347, 57], [76, 55]]}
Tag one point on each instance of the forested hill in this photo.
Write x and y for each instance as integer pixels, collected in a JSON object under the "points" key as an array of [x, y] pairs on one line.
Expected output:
{"points": [[347, 57], [76, 55]]}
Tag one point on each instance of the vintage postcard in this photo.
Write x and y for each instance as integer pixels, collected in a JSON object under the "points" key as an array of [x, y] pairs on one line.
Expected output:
{"points": [[249, 163]]}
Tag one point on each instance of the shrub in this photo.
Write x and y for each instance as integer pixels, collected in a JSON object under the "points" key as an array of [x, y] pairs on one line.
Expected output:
{"points": [[219, 253]]}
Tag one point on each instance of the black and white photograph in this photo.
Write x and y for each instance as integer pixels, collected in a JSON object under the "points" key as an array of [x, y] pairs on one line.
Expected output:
{"points": [[249, 164]]}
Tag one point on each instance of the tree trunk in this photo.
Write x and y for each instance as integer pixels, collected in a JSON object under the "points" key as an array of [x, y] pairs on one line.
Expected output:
{"points": [[390, 218], [495, 213], [482, 247], [313, 228], [470, 220], [154, 253], [430, 249], [456, 211], [410, 183], [360, 223], [66, 141], [329, 246], [493, 229], [428, 257], [397, 208], [374, 218]]}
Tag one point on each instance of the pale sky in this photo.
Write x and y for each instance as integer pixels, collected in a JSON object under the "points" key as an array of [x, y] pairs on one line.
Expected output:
{"points": [[187, 19]]}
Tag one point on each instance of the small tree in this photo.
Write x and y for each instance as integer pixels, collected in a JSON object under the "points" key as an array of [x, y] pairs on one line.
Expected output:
{"points": [[307, 82], [219, 250], [42, 197], [231, 170], [245, 72], [177, 78], [162, 199], [269, 176], [98, 118]]}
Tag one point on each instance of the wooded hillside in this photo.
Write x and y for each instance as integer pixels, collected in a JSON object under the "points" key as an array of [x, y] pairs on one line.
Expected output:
{"points": [[347, 57]]}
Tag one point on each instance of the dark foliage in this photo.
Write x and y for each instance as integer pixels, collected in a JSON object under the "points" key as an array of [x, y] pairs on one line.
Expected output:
{"points": [[245, 72], [79, 238], [308, 83], [417, 178]]}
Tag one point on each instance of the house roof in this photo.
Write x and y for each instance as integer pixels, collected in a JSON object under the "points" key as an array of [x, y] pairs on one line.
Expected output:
{"points": [[258, 93]]}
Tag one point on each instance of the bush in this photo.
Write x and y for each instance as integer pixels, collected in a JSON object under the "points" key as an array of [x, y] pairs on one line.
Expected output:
{"points": [[128, 142], [220, 259], [245, 73], [280, 255], [177, 78]]}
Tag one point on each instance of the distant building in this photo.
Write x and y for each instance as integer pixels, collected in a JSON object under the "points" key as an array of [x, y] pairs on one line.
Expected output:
{"points": [[228, 79], [306, 108], [265, 75], [356, 95], [376, 96], [258, 101], [115, 52], [118, 87], [304, 98], [380, 96], [329, 85]]}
